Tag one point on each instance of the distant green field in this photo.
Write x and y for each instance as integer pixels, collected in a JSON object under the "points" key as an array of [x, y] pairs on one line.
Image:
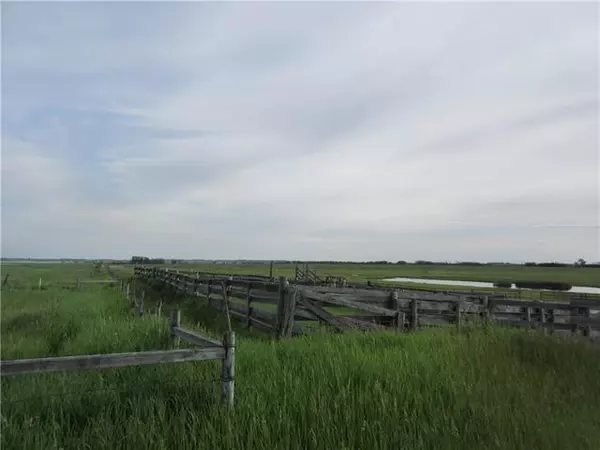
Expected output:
{"points": [[436, 389]]}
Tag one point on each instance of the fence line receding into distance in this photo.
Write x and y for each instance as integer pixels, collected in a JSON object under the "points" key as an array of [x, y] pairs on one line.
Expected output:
{"points": [[285, 308]]}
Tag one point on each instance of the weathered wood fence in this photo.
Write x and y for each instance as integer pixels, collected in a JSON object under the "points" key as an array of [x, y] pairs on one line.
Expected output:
{"points": [[205, 349], [370, 309]]}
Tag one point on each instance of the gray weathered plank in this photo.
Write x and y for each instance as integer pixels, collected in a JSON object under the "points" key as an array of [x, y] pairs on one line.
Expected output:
{"points": [[194, 338], [324, 298], [114, 360]]}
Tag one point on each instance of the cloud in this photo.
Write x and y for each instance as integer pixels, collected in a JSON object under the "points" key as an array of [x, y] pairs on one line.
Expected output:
{"points": [[301, 130]]}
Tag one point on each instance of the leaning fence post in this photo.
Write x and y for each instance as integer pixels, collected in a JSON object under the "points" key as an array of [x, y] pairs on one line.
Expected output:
{"points": [[141, 304], [228, 369], [249, 306], [175, 321]]}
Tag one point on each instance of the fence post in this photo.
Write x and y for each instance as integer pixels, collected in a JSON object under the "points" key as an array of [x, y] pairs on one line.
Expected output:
{"points": [[287, 323], [280, 306], [141, 304], [271, 270], [249, 306], [127, 291], [458, 316], [487, 306], [40, 284], [528, 316], [543, 320], [393, 304], [587, 331], [415, 314], [228, 369], [208, 288], [175, 322]]}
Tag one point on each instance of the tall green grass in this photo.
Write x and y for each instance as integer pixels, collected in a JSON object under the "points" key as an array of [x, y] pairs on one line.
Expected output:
{"points": [[481, 388]]}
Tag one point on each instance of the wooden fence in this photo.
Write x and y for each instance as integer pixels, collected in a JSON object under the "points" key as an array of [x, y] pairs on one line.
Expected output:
{"points": [[370, 309], [205, 349]]}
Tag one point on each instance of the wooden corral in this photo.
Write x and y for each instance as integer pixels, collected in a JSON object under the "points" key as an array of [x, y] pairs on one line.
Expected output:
{"points": [[372, 309]]}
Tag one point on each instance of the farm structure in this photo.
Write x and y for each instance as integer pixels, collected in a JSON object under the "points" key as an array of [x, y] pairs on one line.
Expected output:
{"points": [[289, 307]]}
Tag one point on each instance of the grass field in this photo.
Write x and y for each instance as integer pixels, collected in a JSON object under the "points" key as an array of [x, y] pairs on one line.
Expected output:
{"points": [[482, 389]]}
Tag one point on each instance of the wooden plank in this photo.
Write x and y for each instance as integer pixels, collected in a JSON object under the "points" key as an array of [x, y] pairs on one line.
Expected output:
{"points": [[194, 338], [262, 325], [267, 317], [349, 304], [261, 298], [532, 304], [367, 294], [107, 361], [323, 315]]}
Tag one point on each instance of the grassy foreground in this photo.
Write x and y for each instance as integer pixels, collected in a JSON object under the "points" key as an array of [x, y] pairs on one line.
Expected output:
{"points": [[484, 389]]}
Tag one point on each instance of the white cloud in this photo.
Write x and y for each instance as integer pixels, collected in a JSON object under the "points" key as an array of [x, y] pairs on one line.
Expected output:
{"points": [[353, 131]]}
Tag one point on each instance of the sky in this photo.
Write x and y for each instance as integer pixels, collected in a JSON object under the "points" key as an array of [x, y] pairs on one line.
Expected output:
{"points": [[311, 131]]}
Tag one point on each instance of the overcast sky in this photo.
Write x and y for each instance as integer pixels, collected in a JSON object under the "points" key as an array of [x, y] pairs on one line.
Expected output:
{"points": [[310, 130]]}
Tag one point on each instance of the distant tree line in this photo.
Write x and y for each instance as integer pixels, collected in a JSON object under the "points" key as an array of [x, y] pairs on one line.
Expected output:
{"points": [[579, 263], [146, 260]]}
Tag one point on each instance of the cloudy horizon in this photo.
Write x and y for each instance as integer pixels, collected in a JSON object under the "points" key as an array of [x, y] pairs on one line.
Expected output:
{"points": [[301, 131]]}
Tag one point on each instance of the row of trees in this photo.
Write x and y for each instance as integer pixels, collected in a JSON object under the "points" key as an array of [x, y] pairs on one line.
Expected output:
{"points": [[146, 260], [579, 263]]}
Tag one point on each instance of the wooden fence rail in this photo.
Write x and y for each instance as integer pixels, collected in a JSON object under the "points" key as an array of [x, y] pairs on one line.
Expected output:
{"points": [[206, 349]]}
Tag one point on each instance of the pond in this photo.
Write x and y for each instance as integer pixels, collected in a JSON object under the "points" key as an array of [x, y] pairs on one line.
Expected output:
{"points": [[483, 284]]}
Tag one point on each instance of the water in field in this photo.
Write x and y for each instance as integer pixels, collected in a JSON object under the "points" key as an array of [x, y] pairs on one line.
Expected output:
{"points": [[482, 284]]}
